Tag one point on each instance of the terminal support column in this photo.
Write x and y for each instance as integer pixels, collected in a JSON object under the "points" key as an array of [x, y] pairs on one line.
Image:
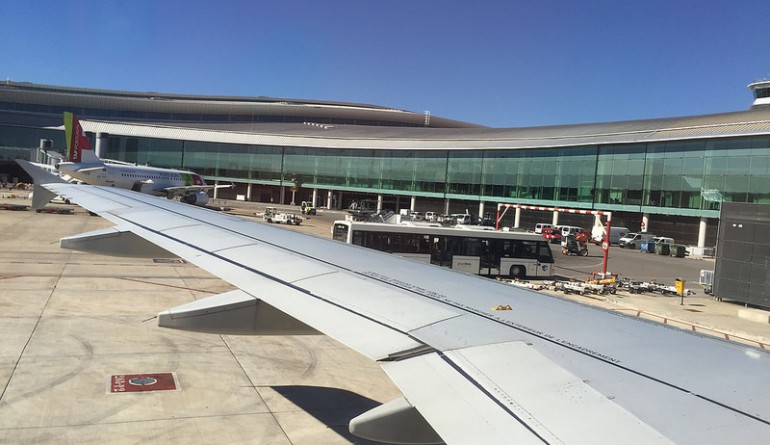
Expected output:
{"points": [[555, 220], [517, 218], [481, 209], [248, 192], [216, 188], [315, 198], [702, 232], [413, 203], [446, 206], [379, 203], [329, 196], [645, 223]]}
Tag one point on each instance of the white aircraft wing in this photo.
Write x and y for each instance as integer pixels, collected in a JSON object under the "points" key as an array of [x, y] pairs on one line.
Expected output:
{"points": [[194, 188], [548, 371]]}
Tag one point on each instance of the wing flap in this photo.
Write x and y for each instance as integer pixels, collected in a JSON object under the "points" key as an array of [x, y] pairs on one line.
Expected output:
{"points": [[510, 393], [454, 406], [548, 398]]}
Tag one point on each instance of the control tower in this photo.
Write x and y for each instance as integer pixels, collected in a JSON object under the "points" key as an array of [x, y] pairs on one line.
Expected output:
{"points": [[761, 90]]}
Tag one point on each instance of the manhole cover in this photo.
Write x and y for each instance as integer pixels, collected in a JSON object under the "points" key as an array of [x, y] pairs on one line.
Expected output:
{"points": [[122, 383]]}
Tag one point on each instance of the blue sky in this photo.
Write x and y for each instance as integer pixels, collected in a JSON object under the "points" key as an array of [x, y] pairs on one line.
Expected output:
{"points": [[497, 63]]}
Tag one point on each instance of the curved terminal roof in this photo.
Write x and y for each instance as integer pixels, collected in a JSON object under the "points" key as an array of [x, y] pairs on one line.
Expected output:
{"points": [[310, 123], [743, 123], [180, 108]]}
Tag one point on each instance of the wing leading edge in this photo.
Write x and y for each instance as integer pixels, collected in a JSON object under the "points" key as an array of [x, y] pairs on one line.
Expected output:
{"points": [[549, 371]]}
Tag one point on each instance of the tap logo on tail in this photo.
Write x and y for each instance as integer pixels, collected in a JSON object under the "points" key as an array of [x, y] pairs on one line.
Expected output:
{"points": [[76, 138]]}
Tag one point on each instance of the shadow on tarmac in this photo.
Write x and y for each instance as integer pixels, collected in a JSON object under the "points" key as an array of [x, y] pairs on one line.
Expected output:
{"points": [[331, 406]]}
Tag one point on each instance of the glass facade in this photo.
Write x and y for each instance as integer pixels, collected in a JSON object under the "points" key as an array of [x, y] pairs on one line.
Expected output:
{"points": [[688, 178]]}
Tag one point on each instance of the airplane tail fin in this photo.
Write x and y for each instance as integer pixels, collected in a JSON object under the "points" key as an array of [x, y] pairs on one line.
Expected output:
{"points": [[77, 142]]}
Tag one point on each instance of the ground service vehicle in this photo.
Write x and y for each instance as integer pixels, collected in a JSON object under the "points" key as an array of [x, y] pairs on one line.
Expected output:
{"points": [[662, 240], [272, 216], [575, 244], [552, 235], [307, 208], [570, 230], [540, 226], [598, 234], [476, 251], [634, 239]]}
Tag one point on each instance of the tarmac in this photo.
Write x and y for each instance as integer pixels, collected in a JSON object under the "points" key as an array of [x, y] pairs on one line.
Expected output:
{"points": [[77, 327]]}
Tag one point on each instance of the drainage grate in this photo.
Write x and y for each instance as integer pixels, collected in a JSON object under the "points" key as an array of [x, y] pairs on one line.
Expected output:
{"points": [[168, 260]]}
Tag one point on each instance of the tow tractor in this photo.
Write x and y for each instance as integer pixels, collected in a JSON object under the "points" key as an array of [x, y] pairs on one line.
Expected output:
{"points": [[307, 208], [271, 215], [577, 244]]}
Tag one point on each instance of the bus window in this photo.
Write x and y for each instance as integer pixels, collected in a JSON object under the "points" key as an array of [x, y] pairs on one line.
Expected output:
{"points": [[470, 247], [511, 248], [544, 254], [409, 243], [491, 249], [442, 250], [528, 250], [377, 241]]}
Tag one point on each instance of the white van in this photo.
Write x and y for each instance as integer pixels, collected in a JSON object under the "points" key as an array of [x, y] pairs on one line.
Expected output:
{"points": [[571, 230], [616, 233], [540, 226], [634, 239], [431, 216], [462, 218]]}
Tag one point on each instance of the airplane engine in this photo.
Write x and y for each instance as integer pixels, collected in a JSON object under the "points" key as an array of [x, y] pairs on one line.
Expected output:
{"points": [[199, 198]]}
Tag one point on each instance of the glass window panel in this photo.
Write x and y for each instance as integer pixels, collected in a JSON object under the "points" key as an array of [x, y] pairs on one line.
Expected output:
{"points": [[738, 165], [760, 165]]}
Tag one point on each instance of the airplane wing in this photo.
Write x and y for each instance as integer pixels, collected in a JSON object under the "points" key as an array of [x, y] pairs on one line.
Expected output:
{"points": [[90, 169], [547, 371], [194, 188]]}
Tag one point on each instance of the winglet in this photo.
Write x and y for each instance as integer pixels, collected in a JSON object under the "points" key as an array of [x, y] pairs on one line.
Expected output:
{"points": [[40, 195]]}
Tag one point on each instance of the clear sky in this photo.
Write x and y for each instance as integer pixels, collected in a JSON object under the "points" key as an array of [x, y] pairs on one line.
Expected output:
{"points": [[497, 63]]}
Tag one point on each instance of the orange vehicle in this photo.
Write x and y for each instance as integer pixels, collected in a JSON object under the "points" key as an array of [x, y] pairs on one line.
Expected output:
{"points": [[552, 234], [577, 244]]}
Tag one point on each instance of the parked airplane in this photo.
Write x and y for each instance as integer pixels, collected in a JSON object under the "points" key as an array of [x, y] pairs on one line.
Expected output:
{"points": [[83, 165], [477, 361]]}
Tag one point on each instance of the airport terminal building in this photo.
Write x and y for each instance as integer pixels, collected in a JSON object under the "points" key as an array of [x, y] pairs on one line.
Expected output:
{"points": [[668, 176]]}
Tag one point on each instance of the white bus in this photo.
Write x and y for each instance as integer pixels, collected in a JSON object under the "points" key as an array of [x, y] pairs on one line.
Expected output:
{"points": [[482, 252]]}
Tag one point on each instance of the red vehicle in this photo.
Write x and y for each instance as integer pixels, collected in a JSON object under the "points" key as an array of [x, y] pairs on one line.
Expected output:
{"points": [[552, 234]]}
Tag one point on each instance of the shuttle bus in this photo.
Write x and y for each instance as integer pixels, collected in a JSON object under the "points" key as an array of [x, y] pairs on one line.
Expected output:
{"points": [[482, 252]]}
